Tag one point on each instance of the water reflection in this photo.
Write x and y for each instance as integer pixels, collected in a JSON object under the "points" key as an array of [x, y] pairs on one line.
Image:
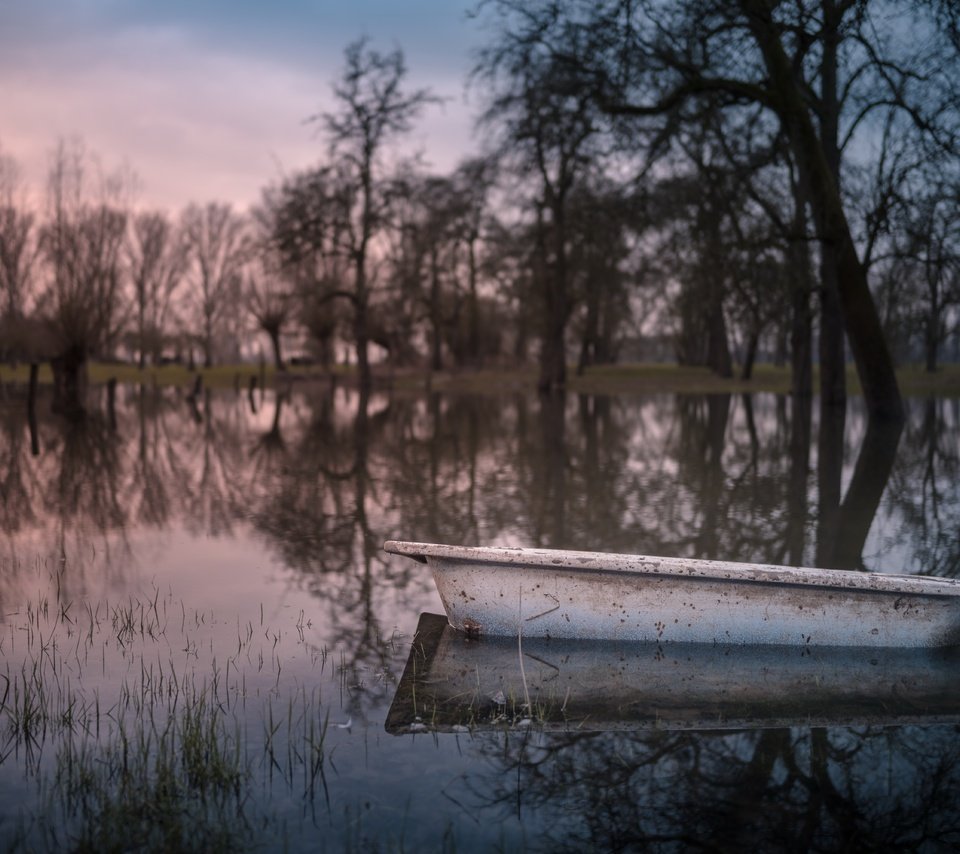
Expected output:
{"points": [[317, 477], [452, 683], [801, 788], [324, 476], [680, 747]]}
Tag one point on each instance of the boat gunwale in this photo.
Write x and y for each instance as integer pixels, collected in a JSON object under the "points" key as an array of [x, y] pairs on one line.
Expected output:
{"points": [[685, 568]]}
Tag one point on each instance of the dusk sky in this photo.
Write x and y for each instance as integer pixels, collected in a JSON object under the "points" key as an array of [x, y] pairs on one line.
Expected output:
{"points": [[207, 99]]}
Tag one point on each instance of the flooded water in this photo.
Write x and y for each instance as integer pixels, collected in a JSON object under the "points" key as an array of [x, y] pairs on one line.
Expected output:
{"points": [[204, 646]]}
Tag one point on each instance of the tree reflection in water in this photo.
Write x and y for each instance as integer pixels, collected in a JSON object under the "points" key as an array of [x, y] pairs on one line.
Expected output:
{"points": [[325, 476], [322, 476], [803, 789]]}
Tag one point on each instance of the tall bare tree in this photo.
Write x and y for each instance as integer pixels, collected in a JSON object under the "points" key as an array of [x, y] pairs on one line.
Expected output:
{"points": [[17, 242], [548, 124], [269, 288], [217, 244], [823, 69], [926, 258], [373, 109], [82, 245], [157, 260], [474, 179]]}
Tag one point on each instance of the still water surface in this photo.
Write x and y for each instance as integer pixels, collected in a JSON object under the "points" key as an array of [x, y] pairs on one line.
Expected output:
{"points": [[201, 639]]}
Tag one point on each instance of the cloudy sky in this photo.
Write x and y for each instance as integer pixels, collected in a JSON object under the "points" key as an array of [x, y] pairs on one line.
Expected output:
{"points": [[207, 99]]}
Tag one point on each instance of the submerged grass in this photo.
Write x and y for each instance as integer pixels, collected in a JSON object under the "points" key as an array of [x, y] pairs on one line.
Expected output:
{"points": [[174, 784], [135, 729]]}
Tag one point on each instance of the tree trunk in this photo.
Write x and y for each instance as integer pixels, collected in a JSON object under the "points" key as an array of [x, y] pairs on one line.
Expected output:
{"points": [[274, 333], [719, 359], [361, 334], [753, 341], [865, 333], [142, 333], [521, 341], [718, 354], [361, 331], [801, 343], [69, 382], [932, 331], [801, 286], [361, 339], [605, 346], [553, 356], [780, 348], [591, 329], [436, 339], [473, 304], [833, 369]]}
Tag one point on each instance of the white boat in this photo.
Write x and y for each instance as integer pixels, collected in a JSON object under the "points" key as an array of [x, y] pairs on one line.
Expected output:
{"points": [[569, 594], [453, 683]]}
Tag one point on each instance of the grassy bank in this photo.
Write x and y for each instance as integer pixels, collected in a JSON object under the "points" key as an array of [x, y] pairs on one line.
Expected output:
{"points": [[608, 379]]}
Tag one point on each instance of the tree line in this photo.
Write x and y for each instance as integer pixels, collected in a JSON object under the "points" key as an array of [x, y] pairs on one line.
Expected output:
{"points": [[737, 177]]}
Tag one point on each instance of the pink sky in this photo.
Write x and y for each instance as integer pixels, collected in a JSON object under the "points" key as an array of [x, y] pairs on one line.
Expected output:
{"points": [[208, 101]]}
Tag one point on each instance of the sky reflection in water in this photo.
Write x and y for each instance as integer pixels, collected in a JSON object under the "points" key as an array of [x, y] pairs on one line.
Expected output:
{"points": [[231, 548]]}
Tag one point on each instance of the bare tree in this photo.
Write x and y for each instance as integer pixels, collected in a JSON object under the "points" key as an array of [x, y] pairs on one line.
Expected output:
{"points": [[17, 242], [548, 124], [269, 289], [474, 178], [373, 109], [218, 245], [157, 260], [604, 216], [81, 243], [825, 71], [927, 268], [430, 226]]}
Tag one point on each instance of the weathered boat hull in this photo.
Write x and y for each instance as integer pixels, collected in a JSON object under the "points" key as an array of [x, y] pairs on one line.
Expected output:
{"points": [[452, 682], [564, 594]]}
